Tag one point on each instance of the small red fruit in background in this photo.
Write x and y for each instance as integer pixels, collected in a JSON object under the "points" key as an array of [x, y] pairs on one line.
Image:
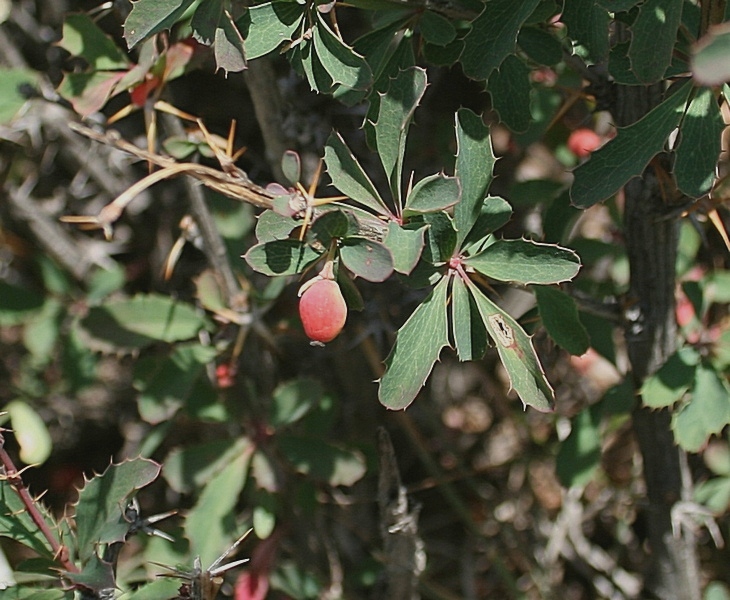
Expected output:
{"points": [[583, 141], [225, 375], [322, 309]]}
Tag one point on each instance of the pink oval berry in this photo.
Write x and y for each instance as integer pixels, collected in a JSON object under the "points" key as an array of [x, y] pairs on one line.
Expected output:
{"points": [[322, 310], [583, 141]]}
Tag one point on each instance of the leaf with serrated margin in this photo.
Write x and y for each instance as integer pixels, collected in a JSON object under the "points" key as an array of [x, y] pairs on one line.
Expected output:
{"points": [[417, 347], [524, 261], [626, 156], [100, 509], [366, 258], [516, 353], [266, 26], [559, 315], [653, 35], [349, 177], [405, 244], [395, 113], [706, 413], [228, 46], [432, 194], [341, 62], [699, 144], [588, 24], [280, 257], [205, 20], [467, 327], [493, 36], [16, 524], [672, 380], [510, 87], [495, 212], [474, 163], [148, 17], [619, 66]]}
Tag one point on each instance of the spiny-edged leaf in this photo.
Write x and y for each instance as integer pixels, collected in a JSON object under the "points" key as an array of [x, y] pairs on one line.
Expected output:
{"points": [[440, 237], [474, 163], [292, 400], [588, 23], [83, 37], [395, 113], [707, 412], [16, 523], [228, 46], [211, 524], [344, 66], [652, 38], [97, 575], [405, 244], [205, 20], [436, 29], [620, 68], [672, 380], [349, 177], [699, 144], [709, 56], [102, 501], [469, 333], [321, 460], [265, 27], [305, 56], [187, 469], [540, 46], [626, 156], [280, 257], [493, 36], [580, 454], [152, 16], [524, 261], [417, 347], [432, 194], [495, 212], [510, 87], [366, 258], [30, 432], [134, 323], [516, 353], [558, 218], [165, 385], [559, 315]]}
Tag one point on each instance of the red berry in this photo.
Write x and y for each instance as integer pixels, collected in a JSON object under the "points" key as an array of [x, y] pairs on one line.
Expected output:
{"points": [[582, 142], [225, 375], [323, 310]]}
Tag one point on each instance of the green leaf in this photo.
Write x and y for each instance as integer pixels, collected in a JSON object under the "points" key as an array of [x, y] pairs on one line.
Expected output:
{"points": [[205, 20], [493, 36], [540, 46], [323, 461], [436, 29], [16, 524], [272, 226], [291, 166], [516, 353], [672, 380], [417, 347], [134, 323], [715, 495], [228, 46], [395, 113], [12, 99], [469, 333], [330, 225], [588, 24], [495, 212], [709, 56], [265, 27], [580, 454], [349, 177], [626, 156], [263, 519], [405, 244], [100, 509], [699, 144], [166, 587], [165, 385], [559, 315], [510, 87], [653, 35], [152, 16], [97, 575], [366, 258], [89, 92], [618, 5], [292, 400], [620, 67], [280, 257], [706, 413], [440, 237], [432, 194], [344, 66], [187, 469], [524, 261], [30, 432], [211, 524], [474, 164], [83, 37]]}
